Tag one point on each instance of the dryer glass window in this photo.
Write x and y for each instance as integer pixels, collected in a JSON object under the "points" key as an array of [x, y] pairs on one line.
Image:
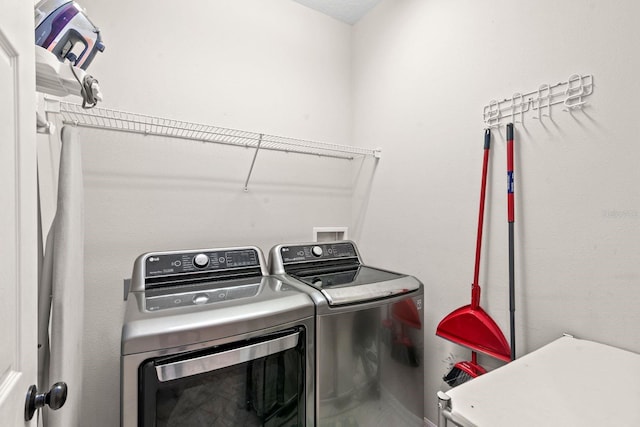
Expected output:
{"points": [[263, 391]]}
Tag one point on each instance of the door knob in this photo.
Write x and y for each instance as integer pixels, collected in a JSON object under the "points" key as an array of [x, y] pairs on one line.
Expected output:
{"points": [[55, 398]]}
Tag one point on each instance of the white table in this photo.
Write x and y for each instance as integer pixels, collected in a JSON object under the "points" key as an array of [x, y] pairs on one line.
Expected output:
{"points": [[568, 382]]}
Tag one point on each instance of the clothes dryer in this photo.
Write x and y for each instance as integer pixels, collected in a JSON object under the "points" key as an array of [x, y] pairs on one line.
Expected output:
{"points": [[209, 338]]}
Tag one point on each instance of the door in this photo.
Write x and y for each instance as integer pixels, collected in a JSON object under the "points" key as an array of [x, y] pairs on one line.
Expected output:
{"points": [[18, 211], [258, 382]]}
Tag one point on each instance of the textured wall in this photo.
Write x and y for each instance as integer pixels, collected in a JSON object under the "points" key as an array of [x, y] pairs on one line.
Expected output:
{"points": [[423, 70], [411, 78], [274, 67]]}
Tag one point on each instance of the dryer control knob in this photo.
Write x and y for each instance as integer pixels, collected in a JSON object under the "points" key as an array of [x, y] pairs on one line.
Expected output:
{"points": [[201, 299], [201, 260], [316, 250]]}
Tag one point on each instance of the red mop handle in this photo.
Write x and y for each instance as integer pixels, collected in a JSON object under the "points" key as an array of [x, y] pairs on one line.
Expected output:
{"points": [[511, 219], [510, 184], [475, 288]]}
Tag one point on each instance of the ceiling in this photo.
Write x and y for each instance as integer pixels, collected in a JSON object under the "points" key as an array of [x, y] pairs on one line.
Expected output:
{"points": [[348, 11]]}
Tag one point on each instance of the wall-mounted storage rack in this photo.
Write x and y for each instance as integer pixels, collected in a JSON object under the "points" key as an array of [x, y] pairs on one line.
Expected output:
{"points": [[569, 93], [103, 118]]}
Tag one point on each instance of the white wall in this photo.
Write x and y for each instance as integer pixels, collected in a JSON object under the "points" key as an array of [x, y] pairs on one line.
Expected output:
{"points": [[423, 70], [411, 79], [274, 67]]}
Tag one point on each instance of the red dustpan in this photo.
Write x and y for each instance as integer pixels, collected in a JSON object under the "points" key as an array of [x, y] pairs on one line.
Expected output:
{"points": [[471, 326], [475, 329]]}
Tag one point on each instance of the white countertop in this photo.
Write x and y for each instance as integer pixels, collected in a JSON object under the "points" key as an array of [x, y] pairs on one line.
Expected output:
{"points": [[569, 382]]}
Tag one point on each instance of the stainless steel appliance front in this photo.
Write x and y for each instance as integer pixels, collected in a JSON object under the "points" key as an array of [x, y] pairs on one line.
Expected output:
{"points": [[213, 340], [369, 335]]}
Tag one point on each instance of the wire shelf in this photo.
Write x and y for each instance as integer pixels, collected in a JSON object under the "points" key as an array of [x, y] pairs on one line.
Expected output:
{"points": [[103, 118]]}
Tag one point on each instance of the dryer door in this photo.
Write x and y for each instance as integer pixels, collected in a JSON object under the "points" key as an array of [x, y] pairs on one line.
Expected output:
{"points": [[257, 382]]}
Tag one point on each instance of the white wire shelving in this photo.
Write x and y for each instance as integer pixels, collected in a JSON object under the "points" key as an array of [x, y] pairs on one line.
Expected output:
{"points": [[122, 121]]}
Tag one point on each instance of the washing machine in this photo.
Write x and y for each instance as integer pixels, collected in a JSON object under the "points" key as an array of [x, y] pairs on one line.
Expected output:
{"points": [[210, 339], [369, 335]]}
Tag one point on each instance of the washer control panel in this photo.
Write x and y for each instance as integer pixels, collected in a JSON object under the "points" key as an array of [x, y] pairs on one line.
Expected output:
{"points": [[317, 252], [206, 261]]}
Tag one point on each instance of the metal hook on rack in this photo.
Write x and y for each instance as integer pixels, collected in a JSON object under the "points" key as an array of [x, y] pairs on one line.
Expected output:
{"points": [[571, 93], [520, 106], [541, 98], [574, 93], [493, 114]]}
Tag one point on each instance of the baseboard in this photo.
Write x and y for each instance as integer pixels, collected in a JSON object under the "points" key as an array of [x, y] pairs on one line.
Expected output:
{"points": [[428, 423]]}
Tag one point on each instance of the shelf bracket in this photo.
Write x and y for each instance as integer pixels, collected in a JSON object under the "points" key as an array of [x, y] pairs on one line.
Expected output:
{"points": [[253, 162]]}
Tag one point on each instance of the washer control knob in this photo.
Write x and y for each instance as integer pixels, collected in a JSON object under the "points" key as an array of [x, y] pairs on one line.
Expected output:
{"points": [[201, 260], [316, 251]]}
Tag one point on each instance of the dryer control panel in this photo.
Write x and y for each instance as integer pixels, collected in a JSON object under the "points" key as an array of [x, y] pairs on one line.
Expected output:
{"points": [[187, 262], [171, 269]]}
